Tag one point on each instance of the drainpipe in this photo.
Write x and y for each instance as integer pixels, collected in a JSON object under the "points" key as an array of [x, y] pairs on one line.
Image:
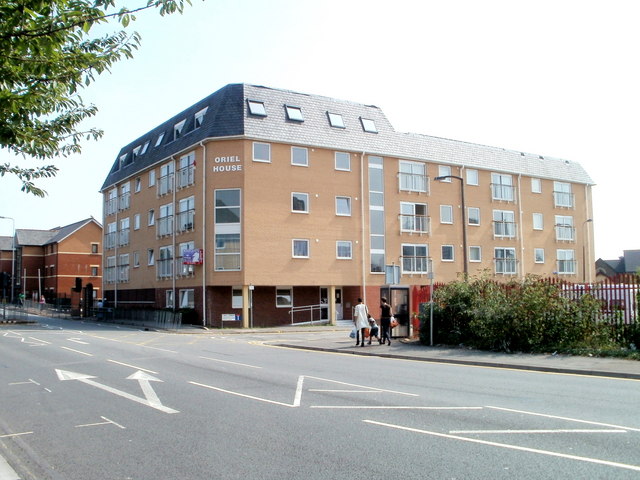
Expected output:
{"points": [[204, 234], [362, 228], [520, 230], [173, 234]]}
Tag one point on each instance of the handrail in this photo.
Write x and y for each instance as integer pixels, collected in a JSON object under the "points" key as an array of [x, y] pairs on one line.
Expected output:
{"points": [[311, 309]]}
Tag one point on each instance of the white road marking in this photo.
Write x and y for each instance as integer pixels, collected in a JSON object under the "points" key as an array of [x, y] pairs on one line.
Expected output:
{"points": [[9, 435], [41, 341], [391, 407], [77, 340], [363, 386], [233, 363], [78, 351], [510, 447], [132, 366], [30, 381], [561, 430], [106, 422], [266, 400], [565, 418]]}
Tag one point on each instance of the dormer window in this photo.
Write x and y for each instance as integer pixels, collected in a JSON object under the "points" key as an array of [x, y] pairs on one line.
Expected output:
{"points": [[294, 113], [177, 129], [159, 140], [199, 117], [136, 151], [257, 108], [335, 120], [368, 125], [122, 159], [144, 148]]}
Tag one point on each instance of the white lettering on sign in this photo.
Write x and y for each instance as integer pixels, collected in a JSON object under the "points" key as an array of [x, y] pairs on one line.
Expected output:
{"points": [[234, 160]]}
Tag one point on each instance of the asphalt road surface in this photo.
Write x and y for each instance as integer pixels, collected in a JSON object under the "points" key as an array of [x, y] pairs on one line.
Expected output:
{"points": [[81, 401]]}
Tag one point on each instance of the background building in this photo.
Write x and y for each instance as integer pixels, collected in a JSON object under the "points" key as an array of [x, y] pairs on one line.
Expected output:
{"points": [[294, 200], [48, 262]]}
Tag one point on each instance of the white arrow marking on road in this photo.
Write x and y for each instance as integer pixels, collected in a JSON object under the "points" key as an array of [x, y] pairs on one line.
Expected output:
{"points": [[77, 340], [151, 399], [147, 389]]}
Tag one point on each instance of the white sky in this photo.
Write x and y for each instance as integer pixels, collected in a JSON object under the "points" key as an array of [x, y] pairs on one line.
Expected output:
{"points": [[558, 78]]}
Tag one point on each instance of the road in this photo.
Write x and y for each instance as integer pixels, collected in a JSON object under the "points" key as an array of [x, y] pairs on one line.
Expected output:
{"points": [[84, 401]]}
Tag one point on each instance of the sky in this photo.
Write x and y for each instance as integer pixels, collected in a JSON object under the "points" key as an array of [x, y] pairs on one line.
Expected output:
{"points": [[555, 78]]}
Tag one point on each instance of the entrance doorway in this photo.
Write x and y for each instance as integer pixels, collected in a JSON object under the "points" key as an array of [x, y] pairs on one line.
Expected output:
{"points": [[399, 300], [324, 300]]}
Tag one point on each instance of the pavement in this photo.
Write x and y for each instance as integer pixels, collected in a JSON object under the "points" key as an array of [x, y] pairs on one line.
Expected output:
{"points": [[336, 339]]}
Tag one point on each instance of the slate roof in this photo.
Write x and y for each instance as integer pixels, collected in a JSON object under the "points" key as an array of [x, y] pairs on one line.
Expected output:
{"points": [[27, 237], [628, 263], [227, 116], [5, 243]]}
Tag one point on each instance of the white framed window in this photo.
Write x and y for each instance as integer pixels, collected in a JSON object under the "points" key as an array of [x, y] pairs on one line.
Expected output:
{"points": [[413, 217], [538, 221], [343, 250], [165, 220], [145, 147], [343, 161], [504, 225], [473, 216], [227, 206], [415, 258], [472, 176], [566, 262], [123, 237], [187, 170], [151, 258], [412, 177], [565, 231], [446, 253], [186, 214], [138, 184], [256, 108], [228, 253], [185, 269], [136, 259], [151, 218], [294, 113], [125, 196], [123, 268], [169, 298], [299, 156], [152, 178], [236, 297], [538, 255], [160, 138], [335, 120], [562, 195], [536, 185], [502, 187], [300, 248], [505, 261], [475, 253], [446, 214], [284, 297], [261, 152], [300, 202], [198, 118], [186, 298], [165, 182], [110, 270], [136, 221], [368, 125], [178, 128], [343, 206], [164, 264], [444, 171]]}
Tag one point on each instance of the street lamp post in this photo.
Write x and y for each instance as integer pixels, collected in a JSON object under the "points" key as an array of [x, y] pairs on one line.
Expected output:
{"points": [[13, 251], [584, 254], [464, 222]]}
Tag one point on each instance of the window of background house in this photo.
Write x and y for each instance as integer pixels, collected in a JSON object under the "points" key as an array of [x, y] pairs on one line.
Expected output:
{"points": [[261, 152]]}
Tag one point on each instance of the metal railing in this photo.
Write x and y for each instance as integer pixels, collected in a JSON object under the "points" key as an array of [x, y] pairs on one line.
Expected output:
{"points": [[315, 312]]}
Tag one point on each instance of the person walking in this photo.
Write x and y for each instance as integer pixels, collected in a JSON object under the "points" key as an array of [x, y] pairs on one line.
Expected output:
{"points": [[385, 321], [374, 330], [361, 321]]}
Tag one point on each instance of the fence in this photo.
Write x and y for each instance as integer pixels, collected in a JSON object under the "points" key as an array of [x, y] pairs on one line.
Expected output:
{"points": [[309, 314], [164, 319]]}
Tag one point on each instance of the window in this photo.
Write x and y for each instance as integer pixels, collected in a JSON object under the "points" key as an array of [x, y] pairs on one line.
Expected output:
{"points": [[187, 298], [343, 161], [136, 259], [261, 152], [413, 217], [335, 120], [505, 260], [294, 113], [502, 187], [187, 170], [343, 206], [177, 129], [138, 184], [343, 250], [299, 156], [536, 185], [125, 196], [368, 125], [94, 271], [414, 258], [151, 218], [446, 214], [566, 262], [198, 118], [300, 248], [123, 268], [186, 214], [504, 225], [538, 221], [475, 253], [413, 177], [562, 194], [472, 177], [227, 255], [236, 297], [159, 140], [165, 182], [94, 247], [473, 216], [110, 270], [538, 255], [112, 202], [169, 298], [284, 297], [257, 108], [136, 221], [300, 202], [447, 253], [145, 147], [152, 178], [111, 236], [444, 171], [151, 258], [565, 230], [227, 206], [165, 262], [123, 237], [185, 269], [165, 220]]}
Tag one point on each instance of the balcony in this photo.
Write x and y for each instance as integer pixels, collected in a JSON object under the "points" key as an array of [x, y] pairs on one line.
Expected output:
{"points": [[420, 224]]}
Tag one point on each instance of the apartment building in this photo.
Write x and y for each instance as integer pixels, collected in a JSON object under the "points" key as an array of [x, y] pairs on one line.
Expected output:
{"points": [[256, 202]]}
